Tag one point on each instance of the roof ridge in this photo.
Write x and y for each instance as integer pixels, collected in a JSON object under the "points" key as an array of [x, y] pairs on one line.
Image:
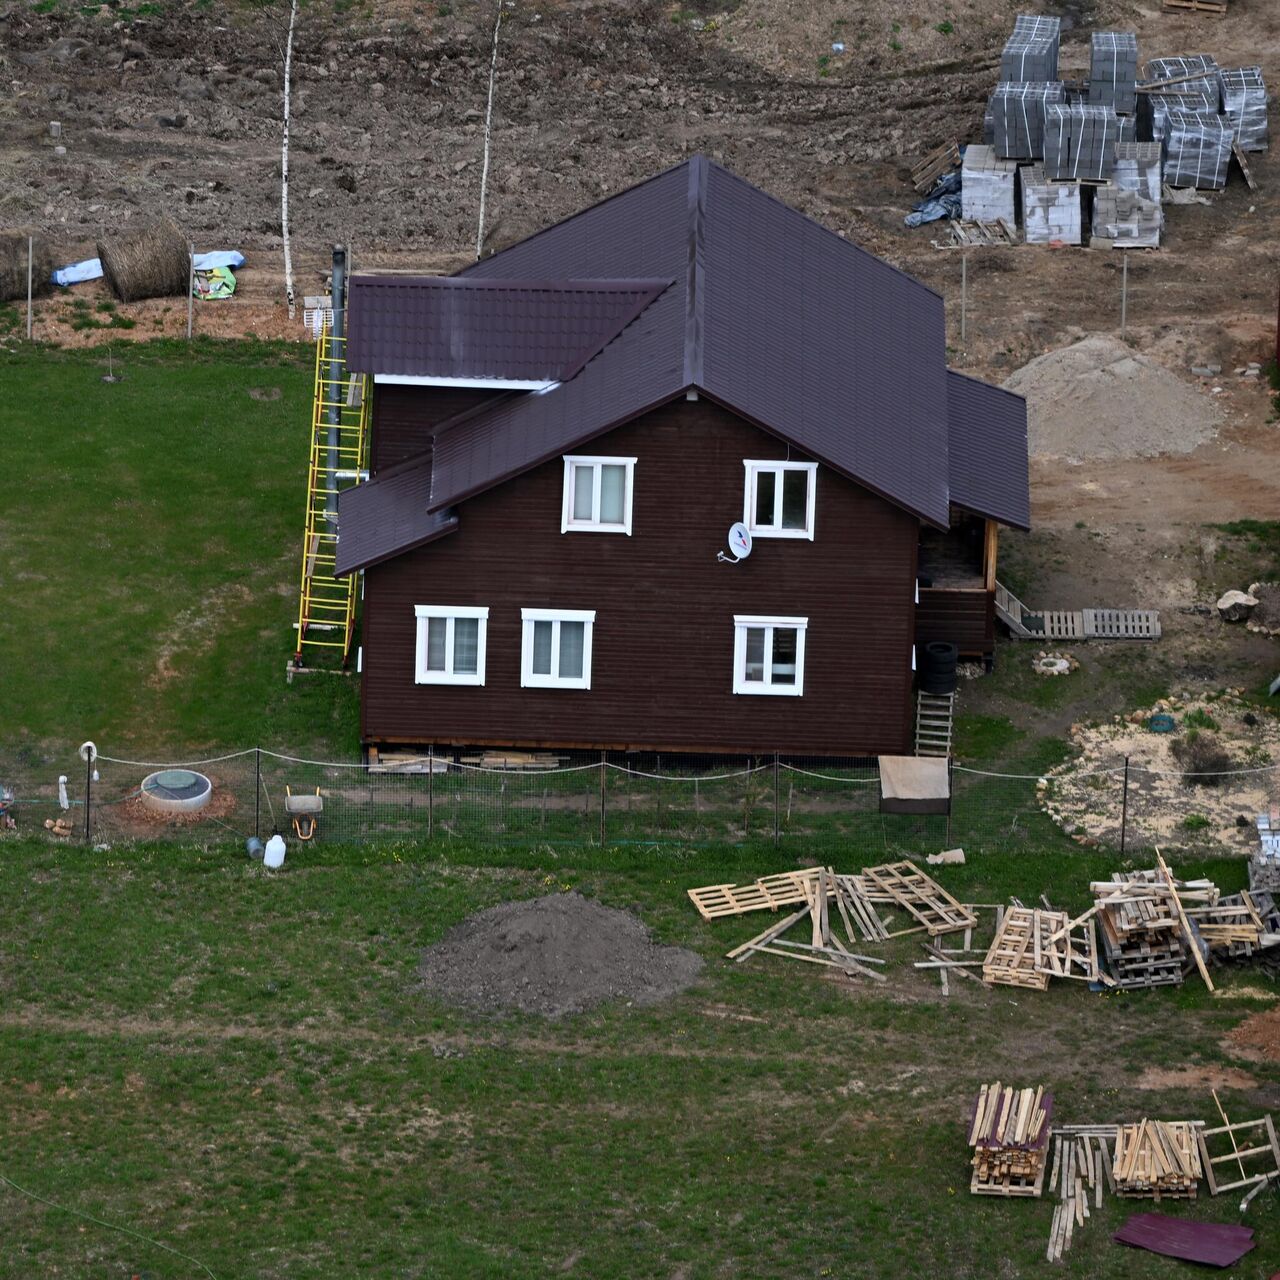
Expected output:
{"points": [[695, 283]]}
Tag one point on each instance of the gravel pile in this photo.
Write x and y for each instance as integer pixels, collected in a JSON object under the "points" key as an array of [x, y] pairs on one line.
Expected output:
{"points": [[1100, 399], [555, 955]]}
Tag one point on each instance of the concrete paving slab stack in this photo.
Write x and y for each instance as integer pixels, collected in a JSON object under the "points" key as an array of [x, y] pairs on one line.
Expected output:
{"points": [[1126, 217], [1080, 142], [1113, 71], [1050, 210], [987, 186], [1244, 102]]}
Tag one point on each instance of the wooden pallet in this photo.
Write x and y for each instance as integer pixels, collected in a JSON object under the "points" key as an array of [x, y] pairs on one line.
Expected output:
{"points": [[925, 175], [1121, 624], [769, 893], [921, 896], [983, 233], [1217, 7], [1238, 151], [1263, 1156]]}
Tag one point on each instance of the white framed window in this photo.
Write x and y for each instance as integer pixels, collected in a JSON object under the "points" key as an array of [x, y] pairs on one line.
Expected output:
{"points": [[768, 655], [597, 495], [451, 644], [780, 498], [555, 652]]}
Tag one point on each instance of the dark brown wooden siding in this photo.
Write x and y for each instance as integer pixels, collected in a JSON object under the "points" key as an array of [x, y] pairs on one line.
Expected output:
{"points": [[966, 619], [402, 418], [662, 669]]}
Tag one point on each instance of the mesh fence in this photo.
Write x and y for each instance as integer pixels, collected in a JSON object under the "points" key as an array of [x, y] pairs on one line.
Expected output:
{"points": [[627, 798]]}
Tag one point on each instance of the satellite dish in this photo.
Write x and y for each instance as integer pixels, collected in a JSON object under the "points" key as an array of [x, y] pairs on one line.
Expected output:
{"points": [[739, 543]]}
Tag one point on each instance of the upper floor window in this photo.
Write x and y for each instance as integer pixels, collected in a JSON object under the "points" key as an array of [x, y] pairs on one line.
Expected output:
{"points": [[780, 497], [597, 495], [768, 655], [451, 644], [556, 648]]}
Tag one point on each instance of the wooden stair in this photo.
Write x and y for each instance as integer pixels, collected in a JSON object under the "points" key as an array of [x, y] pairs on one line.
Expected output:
{"points": [[934, 715], [1074, 624]]}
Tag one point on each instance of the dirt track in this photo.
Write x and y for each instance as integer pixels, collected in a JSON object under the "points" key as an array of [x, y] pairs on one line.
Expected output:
{"points": [[178, 111]]}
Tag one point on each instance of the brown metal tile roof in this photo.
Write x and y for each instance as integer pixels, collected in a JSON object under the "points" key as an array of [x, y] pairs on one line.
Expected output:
{"points": [[388, 516], [775, 317], [988, 450], [451, 327], [785, 323]]}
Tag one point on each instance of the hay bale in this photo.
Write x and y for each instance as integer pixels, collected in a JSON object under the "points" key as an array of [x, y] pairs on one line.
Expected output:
{"points": [[150, 262], [13, 266]]}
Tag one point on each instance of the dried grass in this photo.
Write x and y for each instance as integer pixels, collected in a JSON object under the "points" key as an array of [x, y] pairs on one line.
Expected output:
{"points": [[13, 265], [151, 262]]}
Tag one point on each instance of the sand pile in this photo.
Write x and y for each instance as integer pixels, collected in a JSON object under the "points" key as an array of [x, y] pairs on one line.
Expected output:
{"points": [[1100, 399], [555, 955]]}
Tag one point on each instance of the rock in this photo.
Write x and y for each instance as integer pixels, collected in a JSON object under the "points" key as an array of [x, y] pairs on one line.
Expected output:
{"points": [[1236, 606], [1206, 370]]}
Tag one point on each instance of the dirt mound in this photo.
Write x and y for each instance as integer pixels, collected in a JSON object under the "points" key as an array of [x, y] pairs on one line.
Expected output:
{"points": [[555, 955], [1257, 1037], [1099, 399]]}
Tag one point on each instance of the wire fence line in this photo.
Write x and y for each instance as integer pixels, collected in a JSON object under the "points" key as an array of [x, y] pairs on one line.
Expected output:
{"points": [[619, 798]]}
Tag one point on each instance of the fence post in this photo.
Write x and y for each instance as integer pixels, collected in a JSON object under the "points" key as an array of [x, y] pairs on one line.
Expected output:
{"points": [[604, 765], [431, 790], [776, 819], [1124, 807], [257, 793], [90, 756]]}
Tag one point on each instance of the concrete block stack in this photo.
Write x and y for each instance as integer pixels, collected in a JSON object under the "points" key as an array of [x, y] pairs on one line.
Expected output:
{"points": [[1139, 168], [1159, 106], [1080, 142], [987, 188], [1244, 101], [1018, 112], [1197, 150], [1113, 71], [1031, 53], [1194, 72], [1050, 210], [1126, 218]]}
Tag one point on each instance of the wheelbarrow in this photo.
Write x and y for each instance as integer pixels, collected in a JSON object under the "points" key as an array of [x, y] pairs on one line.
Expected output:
{"points": [[304, 810]]}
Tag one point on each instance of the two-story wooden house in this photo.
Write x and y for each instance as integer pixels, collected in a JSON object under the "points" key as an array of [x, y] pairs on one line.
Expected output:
{"points": [[564, 433]]}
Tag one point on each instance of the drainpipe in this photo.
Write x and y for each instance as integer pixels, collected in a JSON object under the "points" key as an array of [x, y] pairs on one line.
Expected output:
{"points": [[336, 375]]}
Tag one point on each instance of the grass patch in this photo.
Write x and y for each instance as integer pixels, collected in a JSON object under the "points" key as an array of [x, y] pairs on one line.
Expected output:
{"points": [[152, 530], [985, 739], [240, 1065], [1260, 541]]}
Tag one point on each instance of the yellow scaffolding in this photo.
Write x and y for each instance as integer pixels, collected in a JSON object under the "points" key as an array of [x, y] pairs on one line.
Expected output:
{"points": [[327, 604]]}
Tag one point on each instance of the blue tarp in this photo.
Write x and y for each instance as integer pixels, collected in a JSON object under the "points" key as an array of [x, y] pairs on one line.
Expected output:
{"points": [[942, 202], [91, 268]]}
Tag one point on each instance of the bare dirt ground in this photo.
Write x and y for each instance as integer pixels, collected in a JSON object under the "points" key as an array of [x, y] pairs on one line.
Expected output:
{"points": [[174, 107]]}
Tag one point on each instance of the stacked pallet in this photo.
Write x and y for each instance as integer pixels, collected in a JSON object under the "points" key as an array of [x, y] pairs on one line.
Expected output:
{"points": [[1016, 112], [1231, 926], [987, 186], [1113, 70], [1080, 142], [1159, 1158], [1050, 210], [1031, 946], [1009, 1132], [1244, 102], [1197, 150], [1141, 938]]}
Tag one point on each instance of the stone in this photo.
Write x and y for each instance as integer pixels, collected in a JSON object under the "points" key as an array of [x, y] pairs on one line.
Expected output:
{"points": [[1236, 606]]}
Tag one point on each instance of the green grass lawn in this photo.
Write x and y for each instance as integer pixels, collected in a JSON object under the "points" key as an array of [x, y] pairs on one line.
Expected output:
{"points": [[152, 534], [238, 1064]]}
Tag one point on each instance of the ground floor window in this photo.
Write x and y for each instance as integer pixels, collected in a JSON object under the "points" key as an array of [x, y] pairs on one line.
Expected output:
{"points": [[768, 655], [451, 644], [556, 648]]}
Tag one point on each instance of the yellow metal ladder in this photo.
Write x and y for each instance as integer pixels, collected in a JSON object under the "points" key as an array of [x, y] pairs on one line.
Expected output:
{"points": [[327, 604]]}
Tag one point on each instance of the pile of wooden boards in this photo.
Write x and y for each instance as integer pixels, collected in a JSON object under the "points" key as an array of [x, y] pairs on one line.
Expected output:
{"points": [[1231, 926], [1081, 1161], [522, 760], [1031, 946], [1009, 1132], [1159, 1158]]}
